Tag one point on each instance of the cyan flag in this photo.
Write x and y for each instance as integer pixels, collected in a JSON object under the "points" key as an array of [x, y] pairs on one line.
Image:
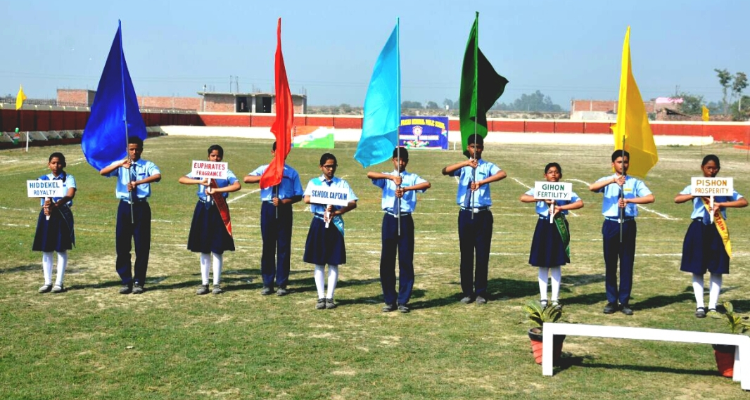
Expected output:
{"points": [[105, 139], [382, 107]]}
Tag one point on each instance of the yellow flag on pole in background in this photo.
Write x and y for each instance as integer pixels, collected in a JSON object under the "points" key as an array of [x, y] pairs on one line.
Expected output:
{"points": [[632, 126], [704, 117], [20, 98]]}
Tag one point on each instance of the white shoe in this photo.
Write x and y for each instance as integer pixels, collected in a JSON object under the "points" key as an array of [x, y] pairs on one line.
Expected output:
{"points": [[45, 288]]}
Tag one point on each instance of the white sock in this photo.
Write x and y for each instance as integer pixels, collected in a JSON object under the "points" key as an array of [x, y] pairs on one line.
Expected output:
{"points": [[713, 294], [205, 266], [698, 289], [556, 274], [333, 279], [320, 280], [218, 264], [543, 276], [47, 267], [62, 263]]}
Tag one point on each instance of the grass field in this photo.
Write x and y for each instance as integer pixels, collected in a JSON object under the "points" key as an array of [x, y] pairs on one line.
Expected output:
{"points": [[92, 342]]}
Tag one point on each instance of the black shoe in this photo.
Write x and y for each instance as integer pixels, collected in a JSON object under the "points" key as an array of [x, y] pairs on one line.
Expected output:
{"points": [[137, 289], [321, 304], [282, 291], [481, 300], [610, 308], [126, 289], [330, 304], [626, 309], [202, 290], [266, 290], [700, 312], [402, 308], [389, 307], [466, 300]]}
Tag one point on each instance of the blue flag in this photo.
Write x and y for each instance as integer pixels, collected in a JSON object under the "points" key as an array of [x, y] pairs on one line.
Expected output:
{"points": [[382, 107], [114, 114]]}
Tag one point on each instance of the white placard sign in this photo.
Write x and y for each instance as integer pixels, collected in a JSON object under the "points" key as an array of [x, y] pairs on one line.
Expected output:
{"points": [[329, 195], [701, 186], [40, 188], [553, 190], [210, 169]]}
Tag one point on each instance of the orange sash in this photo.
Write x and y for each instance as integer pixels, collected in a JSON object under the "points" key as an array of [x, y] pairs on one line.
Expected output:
{"points": [[721, 226], [221, 204]]}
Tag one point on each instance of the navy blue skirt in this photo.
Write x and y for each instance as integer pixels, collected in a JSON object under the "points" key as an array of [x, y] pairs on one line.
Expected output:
{"points": [[324, 245], [55, 234], [547, 247], [207, 232], [704, 250]]}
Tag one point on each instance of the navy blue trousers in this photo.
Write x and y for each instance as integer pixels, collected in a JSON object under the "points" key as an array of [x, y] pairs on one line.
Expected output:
{"points": [[404, 245], [625, 253], [140, 232], [277, 243], [474, 235]]}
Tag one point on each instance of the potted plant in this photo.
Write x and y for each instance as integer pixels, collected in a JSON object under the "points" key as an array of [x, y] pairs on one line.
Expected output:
{"points": [[724, 354], [538, 315]]}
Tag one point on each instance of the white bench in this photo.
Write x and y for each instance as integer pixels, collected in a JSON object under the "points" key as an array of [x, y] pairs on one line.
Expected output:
{"points": [[741, 354]]}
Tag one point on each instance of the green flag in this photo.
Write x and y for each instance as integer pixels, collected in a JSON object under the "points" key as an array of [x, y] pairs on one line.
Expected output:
{"points": [[481, 86]]}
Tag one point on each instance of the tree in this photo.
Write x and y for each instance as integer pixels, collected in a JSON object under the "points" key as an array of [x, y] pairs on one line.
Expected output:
{"points": [[691, 104], [725, 80], [432, 105], [536, 101], [411, 104], [448, 103], [740, 83]]}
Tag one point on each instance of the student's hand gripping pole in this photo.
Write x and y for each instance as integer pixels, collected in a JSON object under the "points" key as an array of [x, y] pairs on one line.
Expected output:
{"points": [[47, 198]]}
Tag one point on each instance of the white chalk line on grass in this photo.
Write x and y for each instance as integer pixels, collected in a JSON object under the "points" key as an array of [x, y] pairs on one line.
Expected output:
{"points": [[233, 199], [662, 215], [572, 214]]}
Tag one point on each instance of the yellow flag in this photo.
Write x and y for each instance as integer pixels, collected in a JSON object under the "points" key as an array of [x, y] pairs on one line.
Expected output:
{"points": [[20, 98], [632, 126], [705, 114]]}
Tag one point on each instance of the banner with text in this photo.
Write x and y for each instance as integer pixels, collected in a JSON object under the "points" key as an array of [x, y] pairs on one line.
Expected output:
{"points": [[701, 186], [40, 188], [423, 132], [553, 190], [210, 169], [326, 195]]}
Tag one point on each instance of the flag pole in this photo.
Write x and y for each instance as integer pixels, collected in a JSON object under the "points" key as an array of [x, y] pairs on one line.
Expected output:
{"points": [[622, 188], [475, 93], [398, 199], [398, 151], [125, 120]]}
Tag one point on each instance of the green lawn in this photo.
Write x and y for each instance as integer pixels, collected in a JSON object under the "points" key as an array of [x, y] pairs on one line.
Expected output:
{"points": [[92, 342]]}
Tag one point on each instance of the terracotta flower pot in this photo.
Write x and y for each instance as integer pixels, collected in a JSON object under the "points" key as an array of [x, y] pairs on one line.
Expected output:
{"points": [[724, 355], [535, 334]]}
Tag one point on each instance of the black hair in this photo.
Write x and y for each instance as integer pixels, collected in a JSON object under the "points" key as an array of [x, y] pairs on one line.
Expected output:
{"points": [[475, 140], [401, 151], [59, 156], [711, 157], [327, 156], [135, 140], [216, 147], [274, 147], [619, 153], [553, 164]]}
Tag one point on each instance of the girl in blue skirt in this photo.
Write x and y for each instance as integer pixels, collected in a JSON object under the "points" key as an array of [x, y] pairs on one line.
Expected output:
{"points": [[54, 227], [325, 240], [549, 248], [704, 248], [210, 231]]}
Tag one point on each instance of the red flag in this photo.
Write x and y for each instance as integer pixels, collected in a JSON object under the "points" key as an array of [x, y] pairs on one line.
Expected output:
{"points": [[282, 126], [221, 204]]}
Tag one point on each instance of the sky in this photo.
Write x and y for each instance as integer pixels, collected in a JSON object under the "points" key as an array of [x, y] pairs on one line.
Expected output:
{"points": [[565, 49]]}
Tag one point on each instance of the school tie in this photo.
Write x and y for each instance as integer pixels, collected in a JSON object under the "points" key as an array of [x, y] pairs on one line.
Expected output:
{"points": [[395, 207], [133, 178]]}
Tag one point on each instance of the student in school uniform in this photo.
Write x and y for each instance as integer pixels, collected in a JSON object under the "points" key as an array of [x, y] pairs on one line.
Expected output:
{"points": [[399, 201], [704, 248], [622, 194], [134, 178], [475, 219], [54, 227], [209, 234], [276, 226], [325, 239], [549, 247]]}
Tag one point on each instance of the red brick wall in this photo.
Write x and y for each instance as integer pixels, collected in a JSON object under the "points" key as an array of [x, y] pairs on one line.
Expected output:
{"points": [[603, 105], [176, 103], [80, 97]]}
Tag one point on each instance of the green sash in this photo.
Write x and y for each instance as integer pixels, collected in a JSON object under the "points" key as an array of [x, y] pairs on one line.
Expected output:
{"points": [[562, 227]]}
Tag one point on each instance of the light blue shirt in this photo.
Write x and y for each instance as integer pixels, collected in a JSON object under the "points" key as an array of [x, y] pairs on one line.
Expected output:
{"points": [[632, 189], [68, 182], [699, 210], [408, 200], [542, 208], [335, 182], [231, 179], [289, 187], [466, 176], [139, 170]]}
